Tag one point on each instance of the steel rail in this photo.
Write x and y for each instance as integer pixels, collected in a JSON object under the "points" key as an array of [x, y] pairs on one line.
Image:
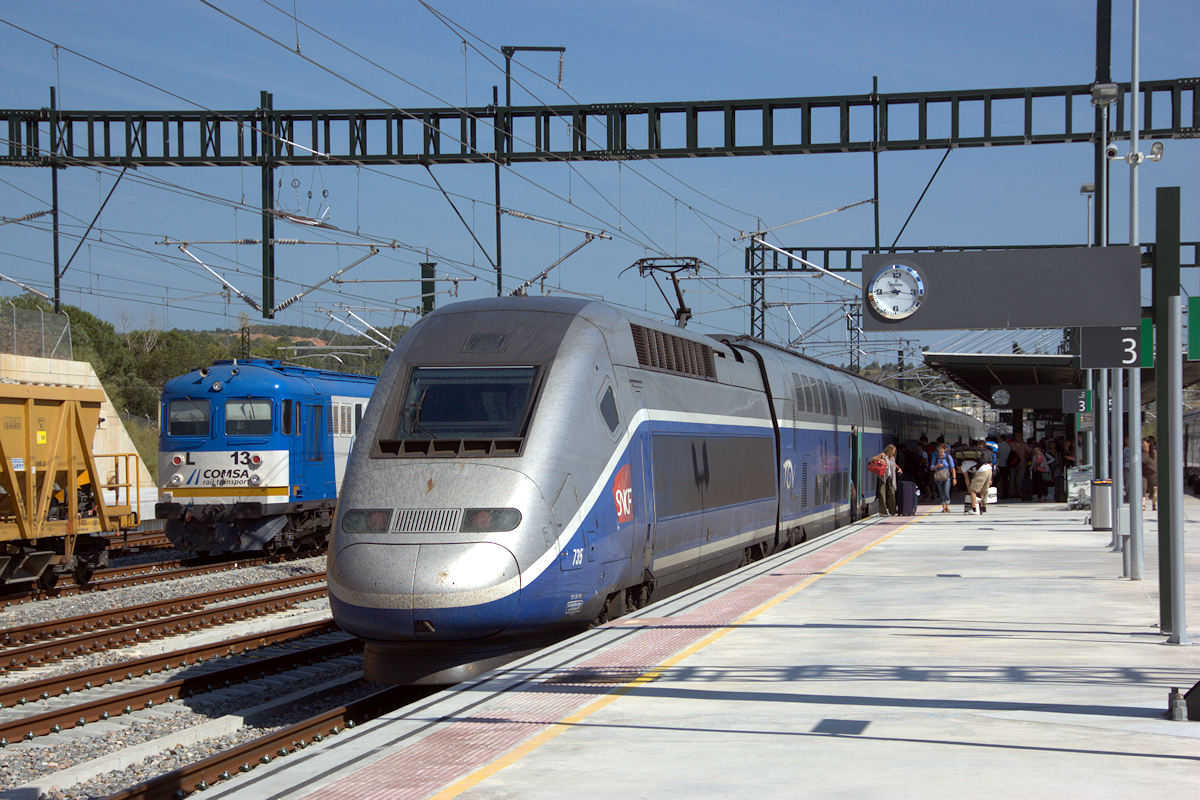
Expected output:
{"points": [[44, 688], [222, 766], [36, 631], [17, 658], [104, 708], [153, 572]]}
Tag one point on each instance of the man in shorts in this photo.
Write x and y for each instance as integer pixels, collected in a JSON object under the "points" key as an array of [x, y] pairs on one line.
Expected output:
{"points": [[975, 464]]}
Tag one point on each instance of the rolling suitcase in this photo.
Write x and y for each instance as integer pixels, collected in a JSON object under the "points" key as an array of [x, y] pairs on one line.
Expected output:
{"points": [[1026, 488], [906, 498]]}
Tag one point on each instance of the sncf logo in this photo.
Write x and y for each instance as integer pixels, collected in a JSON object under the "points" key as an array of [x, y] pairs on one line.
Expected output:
{"points": [[623, 495]]}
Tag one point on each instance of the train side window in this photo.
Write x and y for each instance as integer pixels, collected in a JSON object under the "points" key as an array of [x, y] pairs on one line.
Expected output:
{"points": [[285, 418], [357, 416], [608, 409]]}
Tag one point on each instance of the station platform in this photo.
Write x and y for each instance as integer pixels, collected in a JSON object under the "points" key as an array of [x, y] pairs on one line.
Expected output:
{"points": [[941, 655]]}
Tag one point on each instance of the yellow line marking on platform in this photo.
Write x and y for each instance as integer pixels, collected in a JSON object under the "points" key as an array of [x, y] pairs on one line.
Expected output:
{"points": [[565, 724]]}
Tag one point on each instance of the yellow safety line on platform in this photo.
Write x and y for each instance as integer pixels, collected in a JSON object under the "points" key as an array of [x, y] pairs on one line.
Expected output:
{"points": [[562, 726]]}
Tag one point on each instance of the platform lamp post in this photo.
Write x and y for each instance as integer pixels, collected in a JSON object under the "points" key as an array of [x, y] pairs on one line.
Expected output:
{"points": [[1134, 559], [1103, 95], [1088, 190]]}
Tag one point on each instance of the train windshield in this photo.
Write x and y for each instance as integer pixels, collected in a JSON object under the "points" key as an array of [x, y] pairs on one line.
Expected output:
{"points": [[466, 403], [247, 416], [187, 417]]}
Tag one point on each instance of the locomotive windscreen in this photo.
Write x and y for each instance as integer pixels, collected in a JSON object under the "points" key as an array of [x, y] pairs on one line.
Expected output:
{"points": [[465, 403], [248, 416], [187, 417]]}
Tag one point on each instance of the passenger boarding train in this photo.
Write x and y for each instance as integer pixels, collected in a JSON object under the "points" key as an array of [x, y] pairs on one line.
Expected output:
{"points": [[252, 452], [528, 466]]}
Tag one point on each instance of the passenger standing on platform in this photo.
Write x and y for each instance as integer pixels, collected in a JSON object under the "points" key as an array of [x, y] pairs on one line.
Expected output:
{"points": [[1149, 473], [1041, 465], [885, 492], [1001, 471], [1018, 470], [942, 465]]}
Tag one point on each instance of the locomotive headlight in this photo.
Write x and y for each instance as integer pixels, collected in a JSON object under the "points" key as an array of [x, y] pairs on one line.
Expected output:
{"points": [[255, 480], [366, 520], [217, 386], [489, 520], [176, 480]]}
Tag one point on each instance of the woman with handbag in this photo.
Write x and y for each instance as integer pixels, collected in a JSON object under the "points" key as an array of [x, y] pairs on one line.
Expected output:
{"points": [[885, 469], [942, 465]]}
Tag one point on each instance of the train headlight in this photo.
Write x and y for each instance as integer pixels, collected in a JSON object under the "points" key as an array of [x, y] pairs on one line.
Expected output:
{"points": [[255, 480], [176, 480], [366, 520], [217, 386], [489, 520]]}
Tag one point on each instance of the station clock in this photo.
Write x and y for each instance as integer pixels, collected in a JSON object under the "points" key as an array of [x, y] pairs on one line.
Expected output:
{"points": [[896, 291]]}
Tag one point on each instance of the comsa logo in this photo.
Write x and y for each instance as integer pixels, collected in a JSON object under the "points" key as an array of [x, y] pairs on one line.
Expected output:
{"points": [[623, 495]]}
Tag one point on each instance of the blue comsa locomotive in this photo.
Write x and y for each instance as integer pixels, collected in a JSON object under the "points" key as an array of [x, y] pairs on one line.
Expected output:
{"points": [[529, 466], [252, 453]]}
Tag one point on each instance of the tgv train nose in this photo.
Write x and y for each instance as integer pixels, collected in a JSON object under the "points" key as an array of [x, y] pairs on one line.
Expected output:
{"points": [[424, 591]]}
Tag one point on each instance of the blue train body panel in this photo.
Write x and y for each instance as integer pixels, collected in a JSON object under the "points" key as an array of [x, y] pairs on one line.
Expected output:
{"points": [[252, 452]]}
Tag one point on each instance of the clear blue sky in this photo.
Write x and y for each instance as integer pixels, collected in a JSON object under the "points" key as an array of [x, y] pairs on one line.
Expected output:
{"points": [[616, 51]]}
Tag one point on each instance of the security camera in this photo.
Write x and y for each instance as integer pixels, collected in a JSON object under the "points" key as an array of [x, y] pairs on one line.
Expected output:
{"points": [[1112, 152]]}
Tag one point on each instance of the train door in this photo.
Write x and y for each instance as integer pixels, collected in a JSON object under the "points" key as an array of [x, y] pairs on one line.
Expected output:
{"points": [[318, 478], [641, 552], [838, 457], [854, 489]]}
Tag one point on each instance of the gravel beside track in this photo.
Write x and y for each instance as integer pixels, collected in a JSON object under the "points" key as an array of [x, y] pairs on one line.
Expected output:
{"points": [[48, 609], [23, 762]]}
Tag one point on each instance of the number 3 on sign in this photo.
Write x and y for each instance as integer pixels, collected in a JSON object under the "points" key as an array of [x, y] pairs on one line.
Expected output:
{"points": [[1129, 350]]}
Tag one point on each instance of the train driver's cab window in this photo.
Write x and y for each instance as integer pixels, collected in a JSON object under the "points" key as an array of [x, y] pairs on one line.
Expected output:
{"points": [[187, 417], [466, 403], [285, 420], [248, 416]]}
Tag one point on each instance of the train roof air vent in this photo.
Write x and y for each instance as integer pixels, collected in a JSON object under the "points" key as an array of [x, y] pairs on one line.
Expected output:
{"points": [[669, 353]]}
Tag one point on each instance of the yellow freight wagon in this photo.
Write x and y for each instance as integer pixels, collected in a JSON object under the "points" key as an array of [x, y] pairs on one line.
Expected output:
{"points": [[58, 498]]}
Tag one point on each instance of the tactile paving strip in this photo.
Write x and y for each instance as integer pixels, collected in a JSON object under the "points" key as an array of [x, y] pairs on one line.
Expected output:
{"points": [[463, 745]]}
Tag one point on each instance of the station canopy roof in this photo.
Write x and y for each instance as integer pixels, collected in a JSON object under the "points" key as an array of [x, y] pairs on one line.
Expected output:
{"points": [[1032, 360]]}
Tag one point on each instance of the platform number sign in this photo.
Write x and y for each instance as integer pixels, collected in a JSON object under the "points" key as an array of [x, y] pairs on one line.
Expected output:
{"points": [[1114, 348], [1076, 401]]}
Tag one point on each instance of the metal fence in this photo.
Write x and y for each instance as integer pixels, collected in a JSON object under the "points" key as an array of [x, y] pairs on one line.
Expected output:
{"points": [[31, 332]]}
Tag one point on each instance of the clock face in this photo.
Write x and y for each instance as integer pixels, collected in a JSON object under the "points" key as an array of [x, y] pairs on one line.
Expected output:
{"points": [[896, 291], [1001, 397]]}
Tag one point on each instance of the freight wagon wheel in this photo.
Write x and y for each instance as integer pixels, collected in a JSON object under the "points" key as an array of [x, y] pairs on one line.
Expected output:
{"points": [[82, 573], [48, 579]]}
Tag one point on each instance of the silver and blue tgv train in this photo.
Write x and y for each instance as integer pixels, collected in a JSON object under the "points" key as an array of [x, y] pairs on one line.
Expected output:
{"points": [[252, 452], [531, 465]]}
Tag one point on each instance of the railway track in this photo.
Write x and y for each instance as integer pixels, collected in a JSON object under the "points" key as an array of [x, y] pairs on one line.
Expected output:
{"points": [[204, 773], [33, 644], [94, 706], [140, 574]]}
